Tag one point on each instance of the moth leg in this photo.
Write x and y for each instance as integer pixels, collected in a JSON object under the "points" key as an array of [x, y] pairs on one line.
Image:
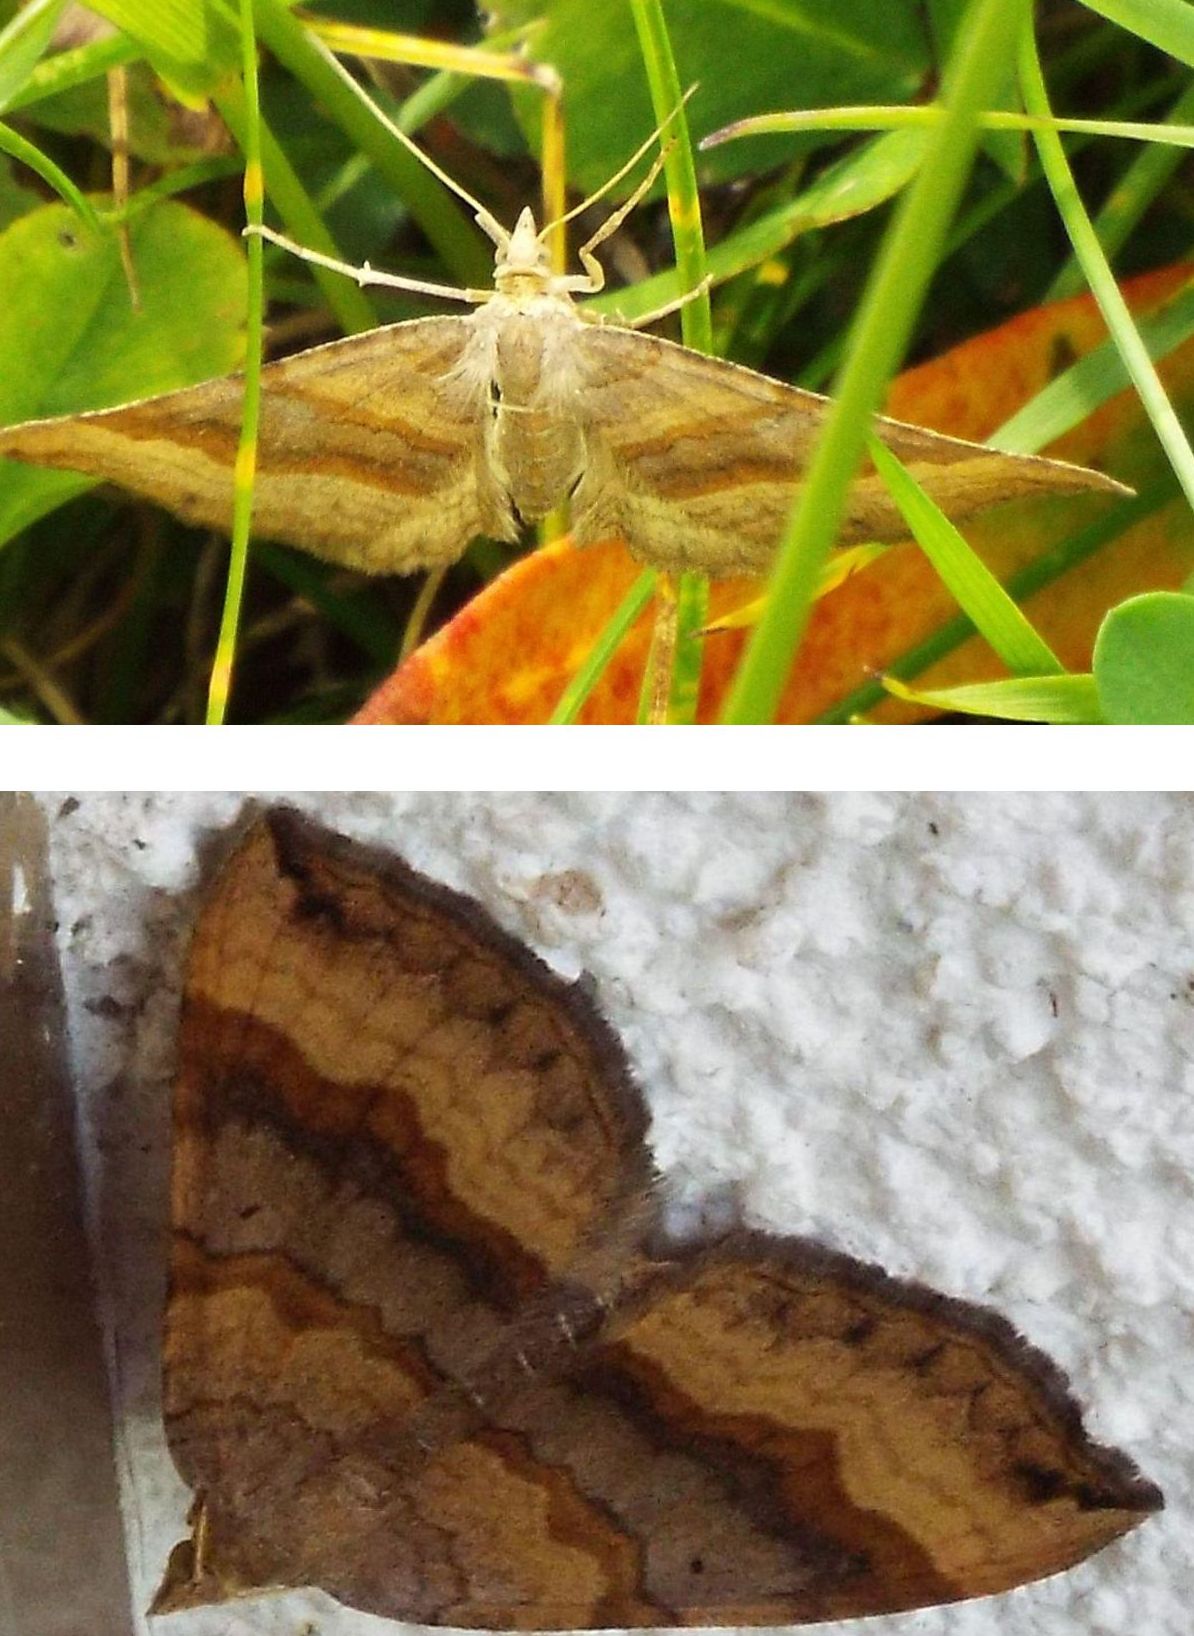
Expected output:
{"points": [[593, 277], [202, 1537], [646, 318], [367, 275]]}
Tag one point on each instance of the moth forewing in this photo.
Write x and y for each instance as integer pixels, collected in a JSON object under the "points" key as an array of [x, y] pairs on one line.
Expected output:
{"points": [[389, 451], [696, 461], [364, 459]]}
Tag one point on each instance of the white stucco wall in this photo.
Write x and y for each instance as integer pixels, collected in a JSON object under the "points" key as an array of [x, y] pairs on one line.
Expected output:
{"points": [[954, 1034]]}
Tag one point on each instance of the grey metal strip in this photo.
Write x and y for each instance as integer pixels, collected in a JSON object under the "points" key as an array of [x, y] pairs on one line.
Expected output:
{"points": [[62, 1561]]}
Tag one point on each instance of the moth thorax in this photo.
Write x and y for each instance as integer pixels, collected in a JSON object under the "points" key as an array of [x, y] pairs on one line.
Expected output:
{"points": [[522, 285]]}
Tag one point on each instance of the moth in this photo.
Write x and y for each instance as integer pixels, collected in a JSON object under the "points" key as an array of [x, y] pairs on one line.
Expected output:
{"points": [[390, 451], [428, 1347]]}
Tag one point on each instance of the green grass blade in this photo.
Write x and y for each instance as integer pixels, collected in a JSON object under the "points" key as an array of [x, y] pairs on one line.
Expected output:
{"points": [[984, 45], [440, 90], [683, 195], [353, 309], [1067, 555], [696, 317], [1166, 23], [1060, 700], [66, 69], [692, 615], [18, 147], [1098, 273], [220, 682], [582, 684], [901, 116], [1129, 200], [1075, 394], [22, 42], [979, 594], [862, 181], [664, 614]]}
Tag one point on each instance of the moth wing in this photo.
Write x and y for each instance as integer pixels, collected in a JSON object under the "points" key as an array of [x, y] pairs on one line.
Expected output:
{"points": [[766, 1433], [696, 462], [771, 1433], [393, 1127], [369, 450]]}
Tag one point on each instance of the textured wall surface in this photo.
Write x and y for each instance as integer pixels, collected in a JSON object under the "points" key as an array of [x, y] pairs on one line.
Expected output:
{"points": [[954, 1034]]}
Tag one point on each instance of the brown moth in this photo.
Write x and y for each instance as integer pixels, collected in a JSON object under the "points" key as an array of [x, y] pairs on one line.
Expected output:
{"points": [[427, 1346], [390, 451]]}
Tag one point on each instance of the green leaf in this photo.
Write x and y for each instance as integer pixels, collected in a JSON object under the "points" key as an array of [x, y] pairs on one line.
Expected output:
{"points": [[192, 43], [15, 198], [745, 54], [905, 116], [1144, 660], [22, 44], [1061, 700], [1167, 23], [70, 340]]}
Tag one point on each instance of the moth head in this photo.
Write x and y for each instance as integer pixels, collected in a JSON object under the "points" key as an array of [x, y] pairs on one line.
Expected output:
{"points": [[522, 257]]}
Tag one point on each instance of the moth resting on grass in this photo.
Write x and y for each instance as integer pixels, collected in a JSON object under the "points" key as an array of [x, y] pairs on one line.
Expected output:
{"points": [[389, 451]]}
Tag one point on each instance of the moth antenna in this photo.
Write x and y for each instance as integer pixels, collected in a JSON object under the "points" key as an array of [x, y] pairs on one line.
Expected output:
{"points": [[625, 169], [487, 222]]}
